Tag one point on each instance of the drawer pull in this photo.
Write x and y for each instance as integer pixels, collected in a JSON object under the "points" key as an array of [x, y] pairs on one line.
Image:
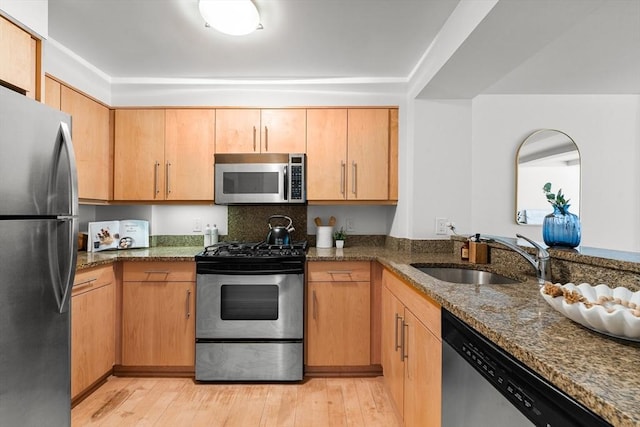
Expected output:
{"points": [[157, 272], [332, 272], [85, 284]]}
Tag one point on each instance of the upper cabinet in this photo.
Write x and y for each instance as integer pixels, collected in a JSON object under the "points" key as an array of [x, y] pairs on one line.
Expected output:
{"points": [[138, 170], [90, 124], [164, 154], [261, 131], [327, 154], [90, 130], [238, 131], [283, 131], [188, 151], [19, 62], [352, 155]]}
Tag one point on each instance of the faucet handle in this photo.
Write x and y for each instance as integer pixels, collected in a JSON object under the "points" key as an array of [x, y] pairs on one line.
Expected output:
{"points": [[542, 252]]}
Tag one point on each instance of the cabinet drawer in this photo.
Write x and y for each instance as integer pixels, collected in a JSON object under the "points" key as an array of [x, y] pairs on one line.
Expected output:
{"points": [[339, 271], [93, 278], [159, 271]]}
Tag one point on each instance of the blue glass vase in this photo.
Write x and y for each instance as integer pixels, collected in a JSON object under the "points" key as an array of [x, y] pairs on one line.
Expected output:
{"points": [[561, 228]]}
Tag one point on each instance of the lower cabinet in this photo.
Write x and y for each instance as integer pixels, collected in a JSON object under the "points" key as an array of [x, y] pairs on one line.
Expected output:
{"points": [[93, 329], [339, 320], [411, 352], [158, 317]]}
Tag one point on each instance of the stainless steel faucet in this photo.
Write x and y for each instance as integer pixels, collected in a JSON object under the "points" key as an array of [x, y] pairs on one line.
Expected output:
{"points": [[541, 263]]}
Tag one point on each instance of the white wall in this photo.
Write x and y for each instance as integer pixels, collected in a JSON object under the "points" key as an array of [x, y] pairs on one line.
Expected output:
{"points": [[33, 15], [441, 176], [606, 129]]}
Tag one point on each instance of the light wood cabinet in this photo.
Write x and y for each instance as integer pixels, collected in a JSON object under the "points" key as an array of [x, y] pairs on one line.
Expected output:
{"points": [[52, 92], [93, 329], [91, 133], [158, 316], [275, 130], [138, 169], [18, 58], [189, 148], [283, 130], [164, 154], [91, 143], [237, 130], [411, 352], [327, 154], [359, 147], [339, 307]]}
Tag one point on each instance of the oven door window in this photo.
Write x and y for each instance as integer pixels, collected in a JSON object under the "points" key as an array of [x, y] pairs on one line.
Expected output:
{"points": [[249, 302]]}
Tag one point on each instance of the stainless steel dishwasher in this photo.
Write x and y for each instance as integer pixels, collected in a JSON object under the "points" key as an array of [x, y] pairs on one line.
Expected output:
{"points": [[482, 386]]}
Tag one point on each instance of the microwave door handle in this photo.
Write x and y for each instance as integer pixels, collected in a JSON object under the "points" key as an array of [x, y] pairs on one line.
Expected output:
{"points": [[286, 184]]}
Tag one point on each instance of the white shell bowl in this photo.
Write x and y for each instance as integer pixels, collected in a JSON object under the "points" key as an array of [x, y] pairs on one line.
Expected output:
{"points": [[620, 322]]}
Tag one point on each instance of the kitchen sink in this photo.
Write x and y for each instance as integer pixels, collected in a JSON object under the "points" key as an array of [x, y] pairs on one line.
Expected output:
{"points": [[465, 275]]}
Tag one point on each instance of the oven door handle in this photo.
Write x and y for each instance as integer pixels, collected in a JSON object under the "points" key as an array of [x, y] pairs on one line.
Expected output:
{"points": [[293, 270]]}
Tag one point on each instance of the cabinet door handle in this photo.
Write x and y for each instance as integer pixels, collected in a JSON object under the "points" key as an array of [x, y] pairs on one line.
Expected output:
{"points": [[254, 138], [354, 179], [404, 354], [156, 190], [315, 305], [188, 303], [343, 177], [395, 327], [168, 189], [266, 139]]}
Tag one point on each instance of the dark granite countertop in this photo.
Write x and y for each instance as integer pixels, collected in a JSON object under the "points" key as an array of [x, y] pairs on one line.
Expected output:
{"points": [[599, 371], [162, 253]]}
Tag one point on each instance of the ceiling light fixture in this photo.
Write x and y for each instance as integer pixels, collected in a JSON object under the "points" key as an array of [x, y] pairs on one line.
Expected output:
{"points": [[234, 17]]}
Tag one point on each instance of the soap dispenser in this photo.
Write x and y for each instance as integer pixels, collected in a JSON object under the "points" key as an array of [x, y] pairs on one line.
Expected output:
{"points": [[478, 250], [464, 250]]}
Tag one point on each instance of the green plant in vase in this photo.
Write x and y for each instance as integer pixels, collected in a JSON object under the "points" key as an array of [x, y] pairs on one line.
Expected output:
{"points": [[560, 228], [340, 236]]}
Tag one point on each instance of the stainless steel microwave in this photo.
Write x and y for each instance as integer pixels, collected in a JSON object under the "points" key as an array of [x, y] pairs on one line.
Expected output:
{"points": [[260, 178]]}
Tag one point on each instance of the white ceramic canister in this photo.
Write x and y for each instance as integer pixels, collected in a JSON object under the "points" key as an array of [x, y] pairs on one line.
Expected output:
{"points": [[324, 236]]}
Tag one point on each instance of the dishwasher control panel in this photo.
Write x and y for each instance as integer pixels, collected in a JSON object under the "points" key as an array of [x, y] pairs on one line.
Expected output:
{"points": [[536, 398]]}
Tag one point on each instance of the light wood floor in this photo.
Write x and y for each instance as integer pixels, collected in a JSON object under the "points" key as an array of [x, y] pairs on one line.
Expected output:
{"points": [[181, 402]]}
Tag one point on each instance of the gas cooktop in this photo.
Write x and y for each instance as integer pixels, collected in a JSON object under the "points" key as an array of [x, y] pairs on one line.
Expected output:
{"points": [[253, 250], [252, 258]]}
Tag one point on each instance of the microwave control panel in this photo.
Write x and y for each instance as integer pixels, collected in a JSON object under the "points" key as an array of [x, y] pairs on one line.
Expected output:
{"points": [[297, 191]]}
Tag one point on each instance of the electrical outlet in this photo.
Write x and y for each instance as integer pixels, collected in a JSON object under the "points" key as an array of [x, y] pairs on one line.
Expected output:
{"points": [[441, 225], [197, 225], [351, 226]]}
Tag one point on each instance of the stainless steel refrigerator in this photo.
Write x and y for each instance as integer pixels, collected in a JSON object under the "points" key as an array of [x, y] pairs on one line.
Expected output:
{"points": [[38, 250]]}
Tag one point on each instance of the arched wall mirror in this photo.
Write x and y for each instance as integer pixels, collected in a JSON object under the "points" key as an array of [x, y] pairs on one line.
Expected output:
{"points": [[547, 155]]}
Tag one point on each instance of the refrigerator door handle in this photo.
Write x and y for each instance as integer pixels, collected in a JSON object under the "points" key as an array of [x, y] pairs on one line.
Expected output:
{"points": [[62, 281], [67, 278], [73, 173]]}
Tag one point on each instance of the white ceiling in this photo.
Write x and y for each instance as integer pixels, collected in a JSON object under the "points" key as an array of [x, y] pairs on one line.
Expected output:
{"points": [[300, 39], [522, 46]]}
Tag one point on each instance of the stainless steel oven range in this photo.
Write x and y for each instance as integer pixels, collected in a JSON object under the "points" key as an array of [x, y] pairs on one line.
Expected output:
{"points": [[250, 312]]}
